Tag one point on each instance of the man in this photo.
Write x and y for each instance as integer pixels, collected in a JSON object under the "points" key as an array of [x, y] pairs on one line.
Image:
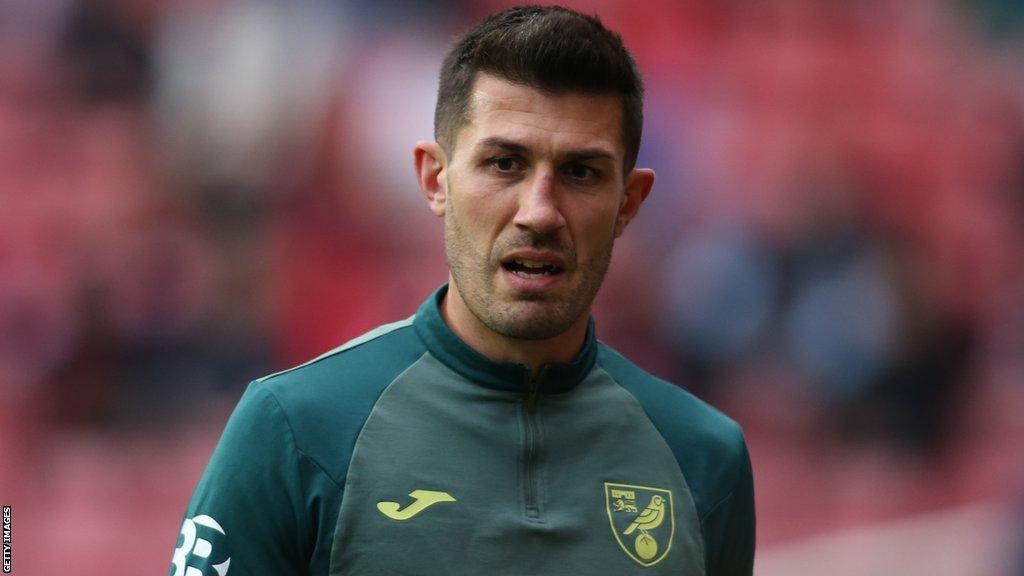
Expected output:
{"points": [[491, 433]]}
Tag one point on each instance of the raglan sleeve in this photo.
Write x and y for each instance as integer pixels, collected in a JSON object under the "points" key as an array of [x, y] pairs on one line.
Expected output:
{"points": [[247, 513], [730, 526]]}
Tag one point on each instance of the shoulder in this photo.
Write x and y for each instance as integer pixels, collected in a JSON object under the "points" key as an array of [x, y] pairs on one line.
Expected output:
{"points": [[326, 400], [708, 445], [360, 358]]}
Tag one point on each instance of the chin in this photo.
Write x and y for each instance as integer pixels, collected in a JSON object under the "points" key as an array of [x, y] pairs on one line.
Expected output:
{"points": [[530, 321]]}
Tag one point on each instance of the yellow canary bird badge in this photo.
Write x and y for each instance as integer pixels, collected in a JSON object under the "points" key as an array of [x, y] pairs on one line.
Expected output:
{"points": [[646, 537], [650, 518]]}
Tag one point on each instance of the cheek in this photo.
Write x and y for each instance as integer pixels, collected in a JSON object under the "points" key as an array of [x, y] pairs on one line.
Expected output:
{"points": [[471, 229], [486, 214], [595, 226]]}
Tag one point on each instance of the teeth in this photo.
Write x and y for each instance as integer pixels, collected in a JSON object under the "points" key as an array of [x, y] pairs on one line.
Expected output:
{"points": [[531, 264], [531, 273]]}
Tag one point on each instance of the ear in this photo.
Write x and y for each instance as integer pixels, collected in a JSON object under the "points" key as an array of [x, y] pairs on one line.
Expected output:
{"points": [[638, 186], [431, 164]]}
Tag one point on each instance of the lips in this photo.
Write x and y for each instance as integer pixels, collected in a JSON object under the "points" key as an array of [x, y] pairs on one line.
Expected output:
{"points": [[531, 264]]}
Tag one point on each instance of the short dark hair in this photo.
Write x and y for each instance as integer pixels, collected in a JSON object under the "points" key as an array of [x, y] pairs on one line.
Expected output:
{"points": [[549, 48]]}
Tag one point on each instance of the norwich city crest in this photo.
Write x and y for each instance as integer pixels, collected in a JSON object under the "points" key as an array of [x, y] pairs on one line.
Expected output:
{"points": [[642, 521]]}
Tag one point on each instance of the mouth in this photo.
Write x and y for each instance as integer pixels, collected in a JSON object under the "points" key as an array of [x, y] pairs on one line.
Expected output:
{"points": [[534, 272], [531, 269]]}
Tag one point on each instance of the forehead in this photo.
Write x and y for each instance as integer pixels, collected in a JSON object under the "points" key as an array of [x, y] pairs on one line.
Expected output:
{"points": [[499, 108]]}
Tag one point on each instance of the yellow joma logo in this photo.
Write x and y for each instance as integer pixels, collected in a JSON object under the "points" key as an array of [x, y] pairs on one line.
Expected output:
{"points": [[422, 500]]}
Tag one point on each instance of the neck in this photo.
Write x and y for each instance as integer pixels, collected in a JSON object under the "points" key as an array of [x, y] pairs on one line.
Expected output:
{"points": [[499, 348]]}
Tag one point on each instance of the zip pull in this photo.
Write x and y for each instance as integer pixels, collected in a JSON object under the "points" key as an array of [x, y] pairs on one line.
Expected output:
{"points": [[533, 387]]}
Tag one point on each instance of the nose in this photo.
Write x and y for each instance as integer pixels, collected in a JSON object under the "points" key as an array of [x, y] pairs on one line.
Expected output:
{"points": [[538, 207]]}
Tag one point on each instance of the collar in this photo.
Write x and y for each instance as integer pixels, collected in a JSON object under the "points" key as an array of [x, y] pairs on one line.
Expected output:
{"points": [[460, 357]]}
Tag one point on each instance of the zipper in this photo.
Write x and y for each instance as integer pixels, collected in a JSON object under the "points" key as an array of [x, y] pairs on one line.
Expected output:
{"points": [[531, 448]]}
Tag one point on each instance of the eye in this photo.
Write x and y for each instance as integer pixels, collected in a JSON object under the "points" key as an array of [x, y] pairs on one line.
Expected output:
{"points": [[505, 164], [580, 171]]}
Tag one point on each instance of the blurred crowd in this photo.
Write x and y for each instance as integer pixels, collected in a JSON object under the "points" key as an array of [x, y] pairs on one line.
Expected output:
{"points": [[194, 194]]}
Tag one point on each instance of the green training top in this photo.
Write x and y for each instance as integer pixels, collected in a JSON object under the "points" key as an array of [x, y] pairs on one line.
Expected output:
{"points": [[406, 452]]}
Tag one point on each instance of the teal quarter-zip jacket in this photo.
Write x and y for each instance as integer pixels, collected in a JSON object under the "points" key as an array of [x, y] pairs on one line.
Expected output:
{"points": [[406, 452]]}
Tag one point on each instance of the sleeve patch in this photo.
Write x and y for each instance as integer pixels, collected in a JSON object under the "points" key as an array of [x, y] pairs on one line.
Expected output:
{"points": [[202, 549]]}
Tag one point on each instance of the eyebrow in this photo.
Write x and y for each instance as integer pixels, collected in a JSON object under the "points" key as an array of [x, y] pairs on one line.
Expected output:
{"points": [[504, 144], [572, 155]]}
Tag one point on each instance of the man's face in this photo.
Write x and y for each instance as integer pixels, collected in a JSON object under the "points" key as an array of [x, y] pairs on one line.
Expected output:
{"points": [[535, 197]]}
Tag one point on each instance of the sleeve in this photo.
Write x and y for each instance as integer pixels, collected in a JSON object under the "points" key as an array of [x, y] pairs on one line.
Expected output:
{"points": [[247, 512], [729, 527]]}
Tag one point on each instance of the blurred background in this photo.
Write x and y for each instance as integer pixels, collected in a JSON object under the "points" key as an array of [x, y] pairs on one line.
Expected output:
{"points": [[197, 193]]}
